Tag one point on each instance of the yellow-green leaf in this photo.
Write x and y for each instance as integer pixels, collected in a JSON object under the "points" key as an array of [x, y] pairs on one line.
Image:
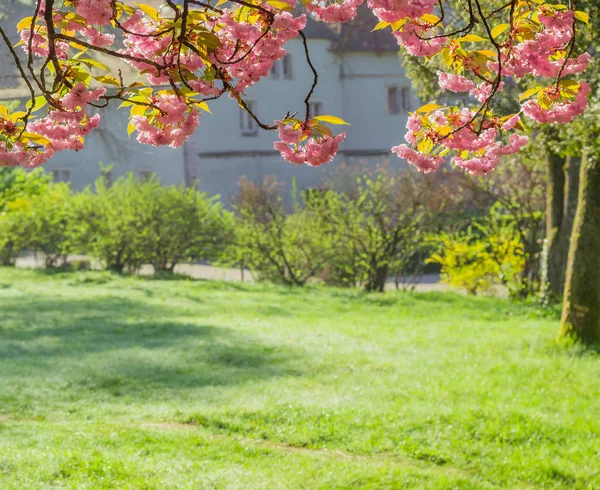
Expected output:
{"points": [[398, 24], [278, 4], [36, 138], [430, 18], [499, 29], [425, 146], [488, 53], [529, 93], [137, 110], [428, 108], [381, 25], [17, 115], [471, 38], [148, 10], [96, 64], [24, 23], [40, 102], [130, 129], [331, 120], [582, 16], [108, 80], [204, 106]]}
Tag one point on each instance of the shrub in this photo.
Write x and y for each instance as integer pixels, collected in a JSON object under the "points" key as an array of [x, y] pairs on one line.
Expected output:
{"points": [[16, 187], [39, 223], [15, 232], [376, 227], [49, 219], [185, 225], [279, 247], [16, 183], [132, 223], [489, 253], [113, 224]]}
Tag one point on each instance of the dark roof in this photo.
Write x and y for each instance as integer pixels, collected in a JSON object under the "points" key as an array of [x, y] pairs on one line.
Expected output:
{"points": [[319, 30], [357, 35]]}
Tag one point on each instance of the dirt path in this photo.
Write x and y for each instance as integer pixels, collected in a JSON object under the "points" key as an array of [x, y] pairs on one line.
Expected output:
{"points": [[428, 282]]}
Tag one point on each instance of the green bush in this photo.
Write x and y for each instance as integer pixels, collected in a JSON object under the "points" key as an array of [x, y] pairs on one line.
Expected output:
{"points": [[488, 253], [281, 247], [17, 186], [185, 225], [16, 183], [132, 223], [113, 224], [376, 228], [15, 232], [49, 218], [38, 223], [347, 238]]}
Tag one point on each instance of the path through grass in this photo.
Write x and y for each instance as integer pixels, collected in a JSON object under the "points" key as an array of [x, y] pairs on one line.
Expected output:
{"points": [[129, 383]]}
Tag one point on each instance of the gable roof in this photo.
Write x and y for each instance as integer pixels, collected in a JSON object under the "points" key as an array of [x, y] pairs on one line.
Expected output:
{"points": [[358, 35]]}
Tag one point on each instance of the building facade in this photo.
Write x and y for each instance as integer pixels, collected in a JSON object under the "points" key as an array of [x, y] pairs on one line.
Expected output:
{"points": [[360, 80]]}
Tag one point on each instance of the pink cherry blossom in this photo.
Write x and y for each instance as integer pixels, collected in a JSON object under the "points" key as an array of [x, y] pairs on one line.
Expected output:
{"points": [[425, 163], [454, 83]]}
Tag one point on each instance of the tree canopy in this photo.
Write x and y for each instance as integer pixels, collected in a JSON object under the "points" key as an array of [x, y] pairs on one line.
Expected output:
{"points": [[191, 52]]}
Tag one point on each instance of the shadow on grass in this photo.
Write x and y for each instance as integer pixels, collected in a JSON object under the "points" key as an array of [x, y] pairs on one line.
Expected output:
{"points": [[127, 347]]}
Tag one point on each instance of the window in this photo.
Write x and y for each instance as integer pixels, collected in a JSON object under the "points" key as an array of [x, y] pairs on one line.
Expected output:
{"points": [[248, 126], [282, 68], [61, 175], [316, 109], [398, 100], [145, 175]]}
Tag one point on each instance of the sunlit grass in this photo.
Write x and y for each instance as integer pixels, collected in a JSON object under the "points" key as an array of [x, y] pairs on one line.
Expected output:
{"points": [[129, 383]]}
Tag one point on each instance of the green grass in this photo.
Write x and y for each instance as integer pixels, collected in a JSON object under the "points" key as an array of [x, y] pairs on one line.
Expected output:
{"points": [[128, 383]]}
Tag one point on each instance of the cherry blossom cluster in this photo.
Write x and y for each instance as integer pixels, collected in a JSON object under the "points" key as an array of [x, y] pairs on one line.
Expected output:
{"points": [[479, 145], [536, 42], [193, 51], [171, 122], [306, 143], [61, 129]]}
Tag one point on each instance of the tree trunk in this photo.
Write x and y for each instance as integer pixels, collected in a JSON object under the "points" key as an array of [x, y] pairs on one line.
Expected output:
{"points": [[561, 203], [377, 279], [581, 308]]}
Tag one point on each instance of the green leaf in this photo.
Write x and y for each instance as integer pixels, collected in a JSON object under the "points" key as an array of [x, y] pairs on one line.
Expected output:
{"points": [[529, 93], [499, 29], [96, 64], [108, 80], [331, 120], [40, 102]]}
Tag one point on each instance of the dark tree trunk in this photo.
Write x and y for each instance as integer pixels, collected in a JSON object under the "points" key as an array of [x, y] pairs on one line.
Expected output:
{"points": [[561, 203], [581, 308], [376, 282]]}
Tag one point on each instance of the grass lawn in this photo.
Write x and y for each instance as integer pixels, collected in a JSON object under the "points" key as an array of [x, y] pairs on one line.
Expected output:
{"points": [[129, 383]]}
